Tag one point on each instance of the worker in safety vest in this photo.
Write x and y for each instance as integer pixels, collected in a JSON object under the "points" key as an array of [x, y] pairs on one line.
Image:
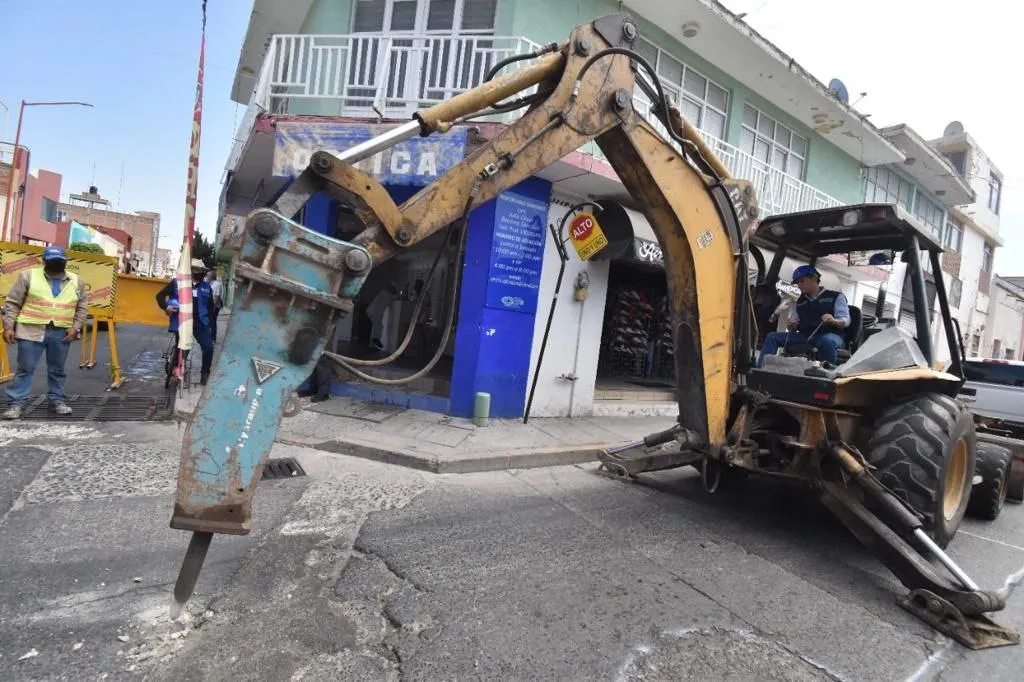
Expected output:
{"points": [[45, 310]]}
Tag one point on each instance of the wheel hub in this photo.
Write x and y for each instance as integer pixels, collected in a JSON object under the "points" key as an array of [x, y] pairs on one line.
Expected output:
{"points": [[953, 492]]}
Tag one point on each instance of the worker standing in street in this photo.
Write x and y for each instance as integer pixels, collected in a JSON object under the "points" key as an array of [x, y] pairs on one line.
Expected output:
{"points": [[45, 311], [202, 312], [217, 290]]}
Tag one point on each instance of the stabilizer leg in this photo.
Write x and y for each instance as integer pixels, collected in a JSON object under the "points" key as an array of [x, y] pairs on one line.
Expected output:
{"points": [[956, 610]]}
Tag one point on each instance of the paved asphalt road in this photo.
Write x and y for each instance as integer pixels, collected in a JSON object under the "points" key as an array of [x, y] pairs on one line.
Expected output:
{"points": [[362, 571], [140, 350]]}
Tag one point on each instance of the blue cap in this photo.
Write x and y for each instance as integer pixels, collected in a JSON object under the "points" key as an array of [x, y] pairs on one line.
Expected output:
{"points": [[804, 271], [54, 253]]}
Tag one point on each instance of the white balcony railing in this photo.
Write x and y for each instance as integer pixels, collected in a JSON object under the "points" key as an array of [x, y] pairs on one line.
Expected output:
{"points": [[393, 75], [777, 192]]}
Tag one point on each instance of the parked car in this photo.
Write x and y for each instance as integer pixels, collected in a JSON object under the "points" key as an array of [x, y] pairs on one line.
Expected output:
{"points": [[994, 391]]}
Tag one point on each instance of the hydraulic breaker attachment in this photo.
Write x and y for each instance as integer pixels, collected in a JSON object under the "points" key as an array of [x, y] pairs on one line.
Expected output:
{"points": [[291, 284], [954, 608], [616, 463]]}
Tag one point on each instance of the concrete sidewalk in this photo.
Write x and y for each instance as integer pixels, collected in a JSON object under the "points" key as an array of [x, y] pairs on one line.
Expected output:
{"points": [[441, 444]]}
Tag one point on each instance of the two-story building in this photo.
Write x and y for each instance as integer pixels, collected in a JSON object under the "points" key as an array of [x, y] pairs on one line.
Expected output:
{"points": [[329, 74]]}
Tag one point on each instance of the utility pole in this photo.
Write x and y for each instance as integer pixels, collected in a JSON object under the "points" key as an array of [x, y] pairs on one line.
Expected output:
{"points": [[14, 161]]}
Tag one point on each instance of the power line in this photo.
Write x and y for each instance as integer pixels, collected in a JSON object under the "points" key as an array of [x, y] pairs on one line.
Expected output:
{"points": [[118, 37]]}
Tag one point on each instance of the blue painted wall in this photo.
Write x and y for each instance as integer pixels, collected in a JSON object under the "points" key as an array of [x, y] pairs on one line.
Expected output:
{"points": [[497, 309]]}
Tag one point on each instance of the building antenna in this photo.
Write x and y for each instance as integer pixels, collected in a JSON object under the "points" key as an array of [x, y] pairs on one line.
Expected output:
{"points": [[120, 187]]}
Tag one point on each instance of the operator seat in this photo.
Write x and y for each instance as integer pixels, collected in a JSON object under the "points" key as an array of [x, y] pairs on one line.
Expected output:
{"points": [[852, 335]]}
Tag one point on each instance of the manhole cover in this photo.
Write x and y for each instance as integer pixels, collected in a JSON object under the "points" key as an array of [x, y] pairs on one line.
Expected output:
{"points": [[284, 467], [109, 407]]}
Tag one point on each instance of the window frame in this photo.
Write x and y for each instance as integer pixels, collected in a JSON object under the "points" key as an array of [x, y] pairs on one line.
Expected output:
{"points": [[871, 181], [988, 254], [422, 16], [677, 92], [773, 145], [922, 201], [995, 192], [951, 226]]}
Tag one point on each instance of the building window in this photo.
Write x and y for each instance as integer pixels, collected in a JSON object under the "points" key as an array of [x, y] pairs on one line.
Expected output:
{"points": [[885, 186], [49, 210], [996, 347], [769, 141], [62, 216], [959, 162], [987, 254], [702, 102], [954, 237], [995, 192], [424, 16], [1008, 354], [930, 213], [975, 345]]}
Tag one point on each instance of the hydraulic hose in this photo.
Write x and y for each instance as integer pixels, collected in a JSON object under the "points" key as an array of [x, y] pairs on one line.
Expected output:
{"points": [[453, 290]]}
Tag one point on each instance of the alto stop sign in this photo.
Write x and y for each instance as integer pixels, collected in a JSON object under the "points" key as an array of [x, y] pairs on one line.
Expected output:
{"points": [[586, 235]]}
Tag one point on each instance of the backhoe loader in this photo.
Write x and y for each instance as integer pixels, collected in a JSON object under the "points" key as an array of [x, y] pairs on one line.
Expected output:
{"points": [[293, 284]]}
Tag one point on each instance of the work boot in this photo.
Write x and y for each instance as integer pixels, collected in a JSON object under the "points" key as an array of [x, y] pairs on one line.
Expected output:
{"points": [[62, 409], [203, 378], [319, 398], [13, 412]]}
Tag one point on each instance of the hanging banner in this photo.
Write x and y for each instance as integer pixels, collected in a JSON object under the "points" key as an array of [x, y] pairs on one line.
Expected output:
{"points": [[415, 162], [183, 274]]}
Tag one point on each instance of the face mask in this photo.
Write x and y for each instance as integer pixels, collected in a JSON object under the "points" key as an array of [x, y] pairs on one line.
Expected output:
{"points": [[53, 267]]}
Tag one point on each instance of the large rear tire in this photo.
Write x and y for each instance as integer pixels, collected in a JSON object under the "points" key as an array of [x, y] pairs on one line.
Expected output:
{"points": [[924, 450], [988, 497]]}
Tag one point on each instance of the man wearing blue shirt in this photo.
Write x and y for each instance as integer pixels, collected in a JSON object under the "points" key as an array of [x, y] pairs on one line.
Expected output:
{"points": [[819, 317], [202, 312]]}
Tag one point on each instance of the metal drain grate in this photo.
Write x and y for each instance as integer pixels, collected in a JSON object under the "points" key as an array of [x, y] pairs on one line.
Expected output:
{"points": [[109, 407], [284, 467]]}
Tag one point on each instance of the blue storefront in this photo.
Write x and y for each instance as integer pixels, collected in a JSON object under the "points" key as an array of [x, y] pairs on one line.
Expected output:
{"points": [[501, 269]]}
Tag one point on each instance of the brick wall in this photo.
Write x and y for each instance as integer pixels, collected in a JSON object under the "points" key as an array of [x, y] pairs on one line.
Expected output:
{"points": [[140, 227]]}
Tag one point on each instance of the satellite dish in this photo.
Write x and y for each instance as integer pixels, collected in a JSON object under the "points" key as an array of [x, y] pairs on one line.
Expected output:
{"points": [[838, 90], [954, 128]]}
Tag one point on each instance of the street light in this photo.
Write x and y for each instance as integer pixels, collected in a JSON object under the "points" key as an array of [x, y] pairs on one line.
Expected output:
{"points": [[14, 162]]}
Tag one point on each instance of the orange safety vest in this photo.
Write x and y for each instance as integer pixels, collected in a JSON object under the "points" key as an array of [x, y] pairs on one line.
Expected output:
{"points": [[42, 307]]}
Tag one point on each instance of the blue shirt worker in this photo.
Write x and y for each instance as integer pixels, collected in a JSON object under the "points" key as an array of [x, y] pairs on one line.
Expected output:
{"points": [[202, 315], [44, 312], [817, 320]]}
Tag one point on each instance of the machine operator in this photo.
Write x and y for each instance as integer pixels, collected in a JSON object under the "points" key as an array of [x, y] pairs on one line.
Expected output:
{"points": [[819, 317]]}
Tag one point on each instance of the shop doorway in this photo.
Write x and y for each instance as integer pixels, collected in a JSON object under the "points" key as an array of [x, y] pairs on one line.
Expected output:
{"points": [[636, 361], [383, 317]]}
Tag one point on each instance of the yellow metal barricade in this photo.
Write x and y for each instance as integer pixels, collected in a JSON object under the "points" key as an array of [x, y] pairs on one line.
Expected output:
{"points": [[99, 277], [136, 301]]}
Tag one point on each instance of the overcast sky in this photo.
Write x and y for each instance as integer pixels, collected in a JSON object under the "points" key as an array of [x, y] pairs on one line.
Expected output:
{"points": [[921, 62]]}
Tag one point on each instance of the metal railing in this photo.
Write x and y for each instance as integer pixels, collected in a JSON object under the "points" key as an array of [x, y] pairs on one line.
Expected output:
{"points": [[395, 73], [376, 75], [777, 191]]}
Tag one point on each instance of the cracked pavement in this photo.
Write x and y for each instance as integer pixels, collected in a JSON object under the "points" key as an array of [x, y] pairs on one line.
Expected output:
{"points": [[365, 571]]}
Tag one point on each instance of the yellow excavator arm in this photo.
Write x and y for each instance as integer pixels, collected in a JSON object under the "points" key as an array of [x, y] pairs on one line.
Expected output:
{"points": [[698, 213]]}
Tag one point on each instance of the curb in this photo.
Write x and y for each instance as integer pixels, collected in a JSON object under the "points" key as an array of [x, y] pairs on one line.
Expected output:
{"points": [[469, 463], [523, 458]]}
